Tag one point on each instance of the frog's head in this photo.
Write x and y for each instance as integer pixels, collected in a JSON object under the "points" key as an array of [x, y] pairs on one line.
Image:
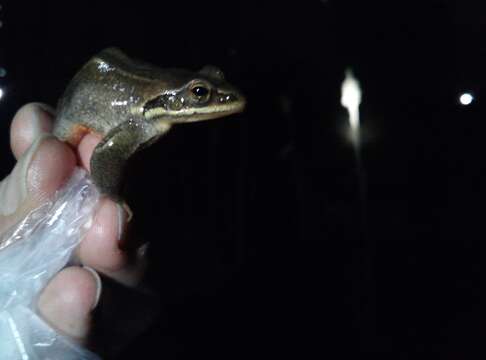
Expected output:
{"points": [[189, 96]]}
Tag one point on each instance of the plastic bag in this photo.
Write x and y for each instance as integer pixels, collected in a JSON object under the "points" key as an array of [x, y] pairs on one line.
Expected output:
{"points": [[31, 253]]}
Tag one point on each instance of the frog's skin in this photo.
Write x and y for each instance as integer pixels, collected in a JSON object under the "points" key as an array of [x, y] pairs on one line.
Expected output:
{"points": [[131, 104]]}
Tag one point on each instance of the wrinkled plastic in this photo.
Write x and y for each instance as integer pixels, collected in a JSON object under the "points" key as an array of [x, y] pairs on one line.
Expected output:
{"points": [[32, 252]]}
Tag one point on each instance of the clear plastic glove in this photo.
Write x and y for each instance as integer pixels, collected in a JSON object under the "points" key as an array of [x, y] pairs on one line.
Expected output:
{"points": [[67, 301], [31, 253]]}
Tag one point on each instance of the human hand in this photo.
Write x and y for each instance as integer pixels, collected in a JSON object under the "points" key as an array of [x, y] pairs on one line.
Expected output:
{"points": [[43, 165]]}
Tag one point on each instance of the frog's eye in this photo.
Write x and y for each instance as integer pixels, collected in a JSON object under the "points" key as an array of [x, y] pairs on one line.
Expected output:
{"points": [[201, 92]]}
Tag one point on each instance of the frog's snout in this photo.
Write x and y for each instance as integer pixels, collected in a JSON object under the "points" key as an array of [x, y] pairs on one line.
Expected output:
{"points": [[234, 99], [224, 98]]}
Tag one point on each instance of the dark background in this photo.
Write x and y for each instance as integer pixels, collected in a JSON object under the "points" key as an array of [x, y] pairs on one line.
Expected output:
{"points": [[260, 244]]}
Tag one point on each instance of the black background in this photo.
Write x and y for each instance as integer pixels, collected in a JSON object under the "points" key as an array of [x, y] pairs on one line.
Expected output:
{"points": [[260, 245]]}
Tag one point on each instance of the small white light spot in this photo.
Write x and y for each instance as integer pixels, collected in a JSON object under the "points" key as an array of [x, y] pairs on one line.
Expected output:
{"points": [[1, 93], [119, 103], [466, 99]]}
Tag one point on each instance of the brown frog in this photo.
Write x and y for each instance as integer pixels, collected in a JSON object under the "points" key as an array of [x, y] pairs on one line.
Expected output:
{"points": [[131, 104]]}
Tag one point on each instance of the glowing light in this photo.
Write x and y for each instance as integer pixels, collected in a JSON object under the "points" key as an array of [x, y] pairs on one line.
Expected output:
{"points": [[350, 99], [466, 99], [1, 93]]}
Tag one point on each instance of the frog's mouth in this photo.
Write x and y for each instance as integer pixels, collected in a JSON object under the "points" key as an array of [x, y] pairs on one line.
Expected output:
{"points": [[222, 105], [212, 112]]}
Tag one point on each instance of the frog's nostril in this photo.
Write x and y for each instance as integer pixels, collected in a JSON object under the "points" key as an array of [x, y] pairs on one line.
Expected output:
{"points": [[224, 98]]}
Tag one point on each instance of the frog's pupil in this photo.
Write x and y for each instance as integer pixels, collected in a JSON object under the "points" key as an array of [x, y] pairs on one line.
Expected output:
{"points": [[200, 91]]}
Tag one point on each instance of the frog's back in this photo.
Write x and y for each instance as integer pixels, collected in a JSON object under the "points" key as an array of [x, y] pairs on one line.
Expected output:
{"points": [[112, 88], [98, 98]]}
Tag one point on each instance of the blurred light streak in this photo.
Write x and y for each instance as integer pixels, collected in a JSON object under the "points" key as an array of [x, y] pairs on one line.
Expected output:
{"points": [[351, 99]]}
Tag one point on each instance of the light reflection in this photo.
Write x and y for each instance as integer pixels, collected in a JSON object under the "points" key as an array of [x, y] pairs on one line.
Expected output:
{"points": [[466, 99], [1, 93], [351, 99]]}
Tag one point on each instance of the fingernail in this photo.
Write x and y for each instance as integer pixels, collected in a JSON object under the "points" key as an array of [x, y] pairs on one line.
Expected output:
{"points": [[42, 115], [98, 285], [13, 189], [47, 108], [122, 217], [37, 119]]}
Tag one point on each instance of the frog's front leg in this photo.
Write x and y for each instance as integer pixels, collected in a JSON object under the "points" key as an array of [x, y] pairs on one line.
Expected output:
{"points": [[110, 155]]}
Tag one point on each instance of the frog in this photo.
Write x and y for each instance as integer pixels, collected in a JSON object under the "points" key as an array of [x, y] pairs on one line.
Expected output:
{"points": [[131, 103]]}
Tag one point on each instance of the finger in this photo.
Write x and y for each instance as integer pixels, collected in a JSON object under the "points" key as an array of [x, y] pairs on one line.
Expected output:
{"points": [[86, 147], [28, 124], [102, 249], [69, 299], [39, 172]]}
